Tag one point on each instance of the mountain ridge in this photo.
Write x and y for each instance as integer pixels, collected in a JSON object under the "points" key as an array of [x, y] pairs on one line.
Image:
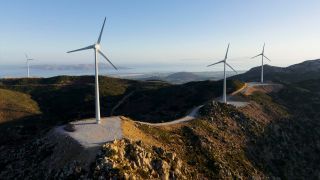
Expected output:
{"points": [[297, 72]]}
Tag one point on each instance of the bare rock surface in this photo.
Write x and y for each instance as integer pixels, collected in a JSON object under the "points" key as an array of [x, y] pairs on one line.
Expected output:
{"points": [[127, 159]]}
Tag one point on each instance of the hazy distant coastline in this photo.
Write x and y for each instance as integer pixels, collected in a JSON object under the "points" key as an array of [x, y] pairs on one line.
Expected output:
{"points": [[73, 67]]}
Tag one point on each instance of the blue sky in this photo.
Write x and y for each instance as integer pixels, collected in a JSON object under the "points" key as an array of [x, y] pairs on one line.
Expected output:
{"points": [[161, 32]]}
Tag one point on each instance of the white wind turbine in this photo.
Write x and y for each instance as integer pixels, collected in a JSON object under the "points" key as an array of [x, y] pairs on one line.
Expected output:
{"points": [[96, 48], [28, 59], [224, 61], [262, 56]]}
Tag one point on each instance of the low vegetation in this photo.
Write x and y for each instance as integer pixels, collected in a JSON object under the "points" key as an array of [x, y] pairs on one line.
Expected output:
{"points": [[15, 105], [171, 102]]}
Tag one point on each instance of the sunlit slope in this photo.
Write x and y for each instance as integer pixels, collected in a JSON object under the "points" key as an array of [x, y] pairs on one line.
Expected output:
{"points": [[16, 105]]}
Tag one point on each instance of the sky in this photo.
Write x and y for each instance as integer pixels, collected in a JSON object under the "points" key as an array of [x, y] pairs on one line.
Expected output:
{"points": [[160, 33]]}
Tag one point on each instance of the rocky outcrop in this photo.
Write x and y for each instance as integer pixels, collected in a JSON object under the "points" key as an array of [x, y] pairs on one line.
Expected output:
{"points": [[126, 159]]}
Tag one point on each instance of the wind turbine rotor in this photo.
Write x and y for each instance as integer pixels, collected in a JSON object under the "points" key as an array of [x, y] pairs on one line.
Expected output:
{"points": [[256, 56], [216, 63], [231, 67], [81, 49], [226, 56], [266, 58], [103, 55], [100, 35]]}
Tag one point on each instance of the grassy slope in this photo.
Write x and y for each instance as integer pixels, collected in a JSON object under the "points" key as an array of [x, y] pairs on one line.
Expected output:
{"points": [[66, 98], [15, 105]]}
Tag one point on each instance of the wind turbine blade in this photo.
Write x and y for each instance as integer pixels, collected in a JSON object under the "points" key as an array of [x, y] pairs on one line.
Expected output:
{"points": [[263, 48], [215, 63], [101, 31], [231, 68], [85, 48], [256, 56], [26, 56], [266, 58], [107, 59], [225, 57]]}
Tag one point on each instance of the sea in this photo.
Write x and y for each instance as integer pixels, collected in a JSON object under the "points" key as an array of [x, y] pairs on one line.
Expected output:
{"points": [[15, 71]]}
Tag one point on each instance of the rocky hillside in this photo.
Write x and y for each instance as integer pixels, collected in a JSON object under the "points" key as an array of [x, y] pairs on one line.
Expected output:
{"points": [[273, 137], [126, 159], [47, 158]]}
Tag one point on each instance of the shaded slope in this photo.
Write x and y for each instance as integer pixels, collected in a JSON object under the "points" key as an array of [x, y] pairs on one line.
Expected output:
{"points": [[172, 102], [288, 147]]}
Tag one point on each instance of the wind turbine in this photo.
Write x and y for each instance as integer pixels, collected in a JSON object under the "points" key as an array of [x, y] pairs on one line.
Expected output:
{"points": [[224, 61], [96, 48], [28, 59], [262, 56]]}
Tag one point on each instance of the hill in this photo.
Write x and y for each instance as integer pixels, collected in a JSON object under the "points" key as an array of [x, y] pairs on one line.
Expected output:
{"points": [[176, 78], [139, 100], [182, 77], [15, 105], [59, 96], [274, 137], [298, 72]]}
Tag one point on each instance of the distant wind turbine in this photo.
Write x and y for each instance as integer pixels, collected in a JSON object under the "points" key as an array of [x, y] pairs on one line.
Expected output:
{"points": [[262, 56], [96, 48], [224, 61], [28, 59]]}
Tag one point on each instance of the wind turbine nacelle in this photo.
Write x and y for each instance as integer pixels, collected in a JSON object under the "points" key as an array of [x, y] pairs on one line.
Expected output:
{"points": [[97, 46]]}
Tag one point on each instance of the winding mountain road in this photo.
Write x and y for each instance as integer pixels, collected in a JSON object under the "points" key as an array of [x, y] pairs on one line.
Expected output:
{"points": [[192, 115], [231, 99]]}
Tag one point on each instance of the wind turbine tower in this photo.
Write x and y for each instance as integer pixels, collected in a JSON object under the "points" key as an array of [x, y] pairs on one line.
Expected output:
{"points": [[28, 70], [97, 49], [224, 61], [262, 57]]}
